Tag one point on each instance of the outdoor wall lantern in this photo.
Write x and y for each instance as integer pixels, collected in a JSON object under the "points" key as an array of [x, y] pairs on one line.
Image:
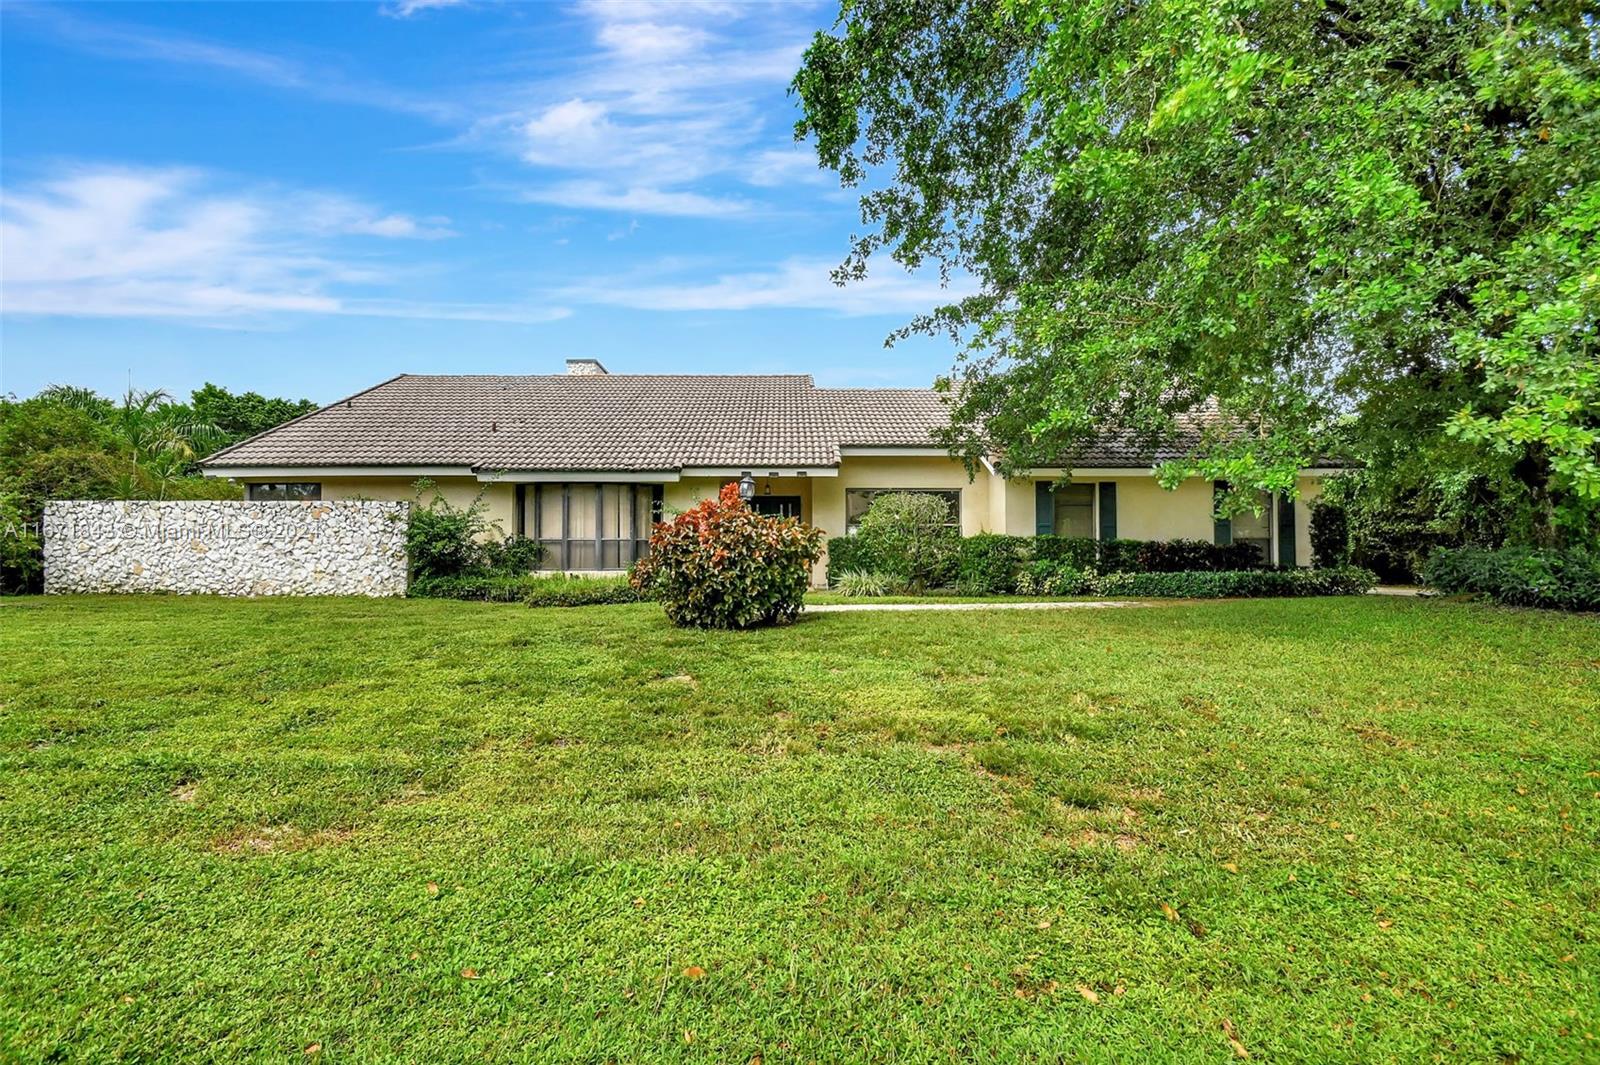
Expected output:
{"points": [[747, 487]]}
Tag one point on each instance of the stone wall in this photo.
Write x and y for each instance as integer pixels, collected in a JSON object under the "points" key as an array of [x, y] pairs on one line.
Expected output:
{"points": [[218, 547]]}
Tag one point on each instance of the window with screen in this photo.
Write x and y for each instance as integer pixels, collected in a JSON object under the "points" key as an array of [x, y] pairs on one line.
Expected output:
{"points": [[283, 491], [858, 500], [591, 526], [1074, 510]]}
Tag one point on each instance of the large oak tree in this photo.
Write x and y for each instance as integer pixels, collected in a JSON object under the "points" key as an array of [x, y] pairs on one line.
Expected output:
{"points": [[1363, 224]]}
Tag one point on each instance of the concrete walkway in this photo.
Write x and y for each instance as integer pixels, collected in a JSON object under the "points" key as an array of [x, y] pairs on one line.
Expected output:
{"points": [[850, 608]]}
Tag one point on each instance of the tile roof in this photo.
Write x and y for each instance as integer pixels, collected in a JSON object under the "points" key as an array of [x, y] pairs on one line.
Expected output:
{"points": [[616, 422], [621, 423]]}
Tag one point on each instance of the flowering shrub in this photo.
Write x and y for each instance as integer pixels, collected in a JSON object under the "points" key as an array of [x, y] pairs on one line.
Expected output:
{"points": [[720, 565]]}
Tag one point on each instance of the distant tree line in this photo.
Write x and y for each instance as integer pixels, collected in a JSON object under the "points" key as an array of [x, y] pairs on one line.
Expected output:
{"points": [[73, 443]]}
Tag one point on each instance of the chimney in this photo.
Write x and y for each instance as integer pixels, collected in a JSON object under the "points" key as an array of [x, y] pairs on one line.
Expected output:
{"points": [[585, 368]]}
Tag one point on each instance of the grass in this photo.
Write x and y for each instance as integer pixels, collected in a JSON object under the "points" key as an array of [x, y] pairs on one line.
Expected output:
{"points": [[827, 598], [1356, 830]]}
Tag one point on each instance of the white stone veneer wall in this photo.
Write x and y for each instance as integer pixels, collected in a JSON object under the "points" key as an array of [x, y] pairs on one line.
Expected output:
{"points": [[221, 547]]}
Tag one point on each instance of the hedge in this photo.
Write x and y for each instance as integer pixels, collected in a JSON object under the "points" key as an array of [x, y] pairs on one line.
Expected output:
{"points": [[581, 591], [986, 564], [1519, 576], [532, 589], [1052, 578], [484, 587], [991, 564], [845, 554], [1255, 583]]}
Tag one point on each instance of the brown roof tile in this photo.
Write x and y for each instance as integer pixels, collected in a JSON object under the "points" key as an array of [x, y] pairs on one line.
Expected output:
{"points": [[619, 422], [622, 423]]}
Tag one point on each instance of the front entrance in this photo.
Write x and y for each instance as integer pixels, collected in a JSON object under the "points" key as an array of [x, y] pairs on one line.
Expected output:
{"points": [[777, 506]]}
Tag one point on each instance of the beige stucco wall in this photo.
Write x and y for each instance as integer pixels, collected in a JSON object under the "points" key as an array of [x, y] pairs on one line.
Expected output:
{"points": [[915, 473], [1145, 511], [1310, 489], [499, 499], [680, 495]]}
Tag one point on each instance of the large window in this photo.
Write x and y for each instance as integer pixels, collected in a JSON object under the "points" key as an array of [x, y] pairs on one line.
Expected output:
{"points": [[857, 500], [1255, 529], [1074, 510], [591, 526], [280, 491]]}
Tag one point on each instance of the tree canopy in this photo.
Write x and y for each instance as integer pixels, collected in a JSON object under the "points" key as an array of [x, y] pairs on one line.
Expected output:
{"points": [[246, 413], [1362, 225]]}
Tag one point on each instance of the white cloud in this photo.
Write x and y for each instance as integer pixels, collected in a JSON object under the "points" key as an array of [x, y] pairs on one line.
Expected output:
{"points": [[130, 42], [177, 243], [572, 133], [784, 166], [643, 199], [646, 39], [794, 283], [671, 102], [454, 312], [338, 216], [408, 8]]}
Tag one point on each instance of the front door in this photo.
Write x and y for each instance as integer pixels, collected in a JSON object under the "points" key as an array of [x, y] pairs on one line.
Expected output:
{"points": [[777, 506]]}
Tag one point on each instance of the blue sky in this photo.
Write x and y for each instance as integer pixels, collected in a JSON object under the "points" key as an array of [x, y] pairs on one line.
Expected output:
{"points": [[303, 199]]}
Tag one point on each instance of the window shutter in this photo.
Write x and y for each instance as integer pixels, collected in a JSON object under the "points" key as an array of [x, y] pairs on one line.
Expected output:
{"points": [[1108, 510], [1044, 508], [1285, 531], [1221, 528]]}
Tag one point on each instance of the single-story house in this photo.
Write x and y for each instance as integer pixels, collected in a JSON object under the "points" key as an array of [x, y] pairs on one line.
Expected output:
{"points": [[582, 461]]}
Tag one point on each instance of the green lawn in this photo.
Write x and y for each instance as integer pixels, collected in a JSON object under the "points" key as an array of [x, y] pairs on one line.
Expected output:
{"points": [[1341, 830]]}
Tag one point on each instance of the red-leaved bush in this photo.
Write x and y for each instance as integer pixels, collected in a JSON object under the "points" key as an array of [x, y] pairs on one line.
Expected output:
{"points": [[720, 565]]}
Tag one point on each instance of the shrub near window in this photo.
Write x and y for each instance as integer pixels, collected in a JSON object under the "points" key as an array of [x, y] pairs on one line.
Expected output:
{"points": [[457, 553], [1182, 556], [1078, 552], [720, 565], [845, 555], [444, 540], [908, 535], [988, 563]]}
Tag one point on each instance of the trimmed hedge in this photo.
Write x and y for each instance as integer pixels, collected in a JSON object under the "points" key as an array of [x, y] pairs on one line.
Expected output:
{"points": [[1079, 552], [1050, 578], [1519, 576], [991, 564], [532, 589], [987, 564], [845, 554], [1255, 583], [581, 591]]}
